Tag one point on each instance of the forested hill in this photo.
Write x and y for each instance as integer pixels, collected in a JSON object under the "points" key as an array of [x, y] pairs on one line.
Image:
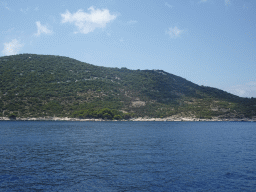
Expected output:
{"points": [[45, 85]]}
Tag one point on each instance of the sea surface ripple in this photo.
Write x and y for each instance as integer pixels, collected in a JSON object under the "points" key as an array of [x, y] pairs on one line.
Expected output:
{"points": [[127, 156]]}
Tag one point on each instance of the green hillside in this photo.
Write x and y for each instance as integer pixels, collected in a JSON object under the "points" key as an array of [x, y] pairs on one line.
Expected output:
{"points": [[45, 85]]}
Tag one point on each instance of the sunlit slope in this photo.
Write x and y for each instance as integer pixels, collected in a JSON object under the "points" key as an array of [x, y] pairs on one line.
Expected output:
{"points": [[45, 85]]}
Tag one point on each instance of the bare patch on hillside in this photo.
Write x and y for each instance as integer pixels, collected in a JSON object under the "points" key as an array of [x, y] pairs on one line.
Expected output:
{"points": [[138, 103]]}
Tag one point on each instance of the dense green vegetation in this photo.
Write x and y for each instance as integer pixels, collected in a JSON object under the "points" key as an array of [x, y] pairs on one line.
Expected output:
{"points": [[44, 85], [105, 113]]}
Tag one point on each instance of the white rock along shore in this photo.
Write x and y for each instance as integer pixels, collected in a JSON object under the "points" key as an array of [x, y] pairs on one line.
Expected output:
{"points": [[172, 118]]}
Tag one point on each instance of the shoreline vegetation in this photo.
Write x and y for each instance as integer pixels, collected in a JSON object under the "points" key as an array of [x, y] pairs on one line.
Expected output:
{"points": [[169, 119]]}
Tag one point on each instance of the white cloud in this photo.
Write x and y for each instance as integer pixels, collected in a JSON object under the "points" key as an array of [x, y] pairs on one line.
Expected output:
{"points": [[131, 22], [12, 48], [168, 5], [244, 90], [88, 22], [227, 2], [175, 32], [42, 29]]}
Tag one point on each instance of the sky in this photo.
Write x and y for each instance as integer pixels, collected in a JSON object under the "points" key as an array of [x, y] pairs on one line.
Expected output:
{"points": [[208, 42]]}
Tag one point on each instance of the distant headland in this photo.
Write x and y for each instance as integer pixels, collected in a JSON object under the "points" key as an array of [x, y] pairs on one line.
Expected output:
{"points": [[48, 87]]}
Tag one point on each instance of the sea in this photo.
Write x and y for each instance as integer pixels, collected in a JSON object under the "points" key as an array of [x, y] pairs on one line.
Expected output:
{"points": [[127, 156]]}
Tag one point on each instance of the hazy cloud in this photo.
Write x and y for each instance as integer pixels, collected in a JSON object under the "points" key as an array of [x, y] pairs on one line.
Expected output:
{"points": [[24, 10], [8, 31], [88, 22], [42, 29], [131, 22], [174, 32], [168, 5], [245, 6], [245, 90], [4, 5], [12, 48], [227, 2]]}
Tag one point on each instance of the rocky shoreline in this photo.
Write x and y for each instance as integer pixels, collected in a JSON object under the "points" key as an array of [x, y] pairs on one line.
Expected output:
{"points": [[133, 119]]}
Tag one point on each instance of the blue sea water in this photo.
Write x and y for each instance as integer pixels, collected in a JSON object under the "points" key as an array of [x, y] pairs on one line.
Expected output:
{"points": [[127, 156]]}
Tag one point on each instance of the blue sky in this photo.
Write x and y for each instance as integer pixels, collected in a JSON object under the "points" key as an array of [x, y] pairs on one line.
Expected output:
{"points": [[208, 42]]}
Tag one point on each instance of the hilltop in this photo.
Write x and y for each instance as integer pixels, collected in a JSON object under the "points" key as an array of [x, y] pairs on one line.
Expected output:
{"points": [[46, 86]]}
